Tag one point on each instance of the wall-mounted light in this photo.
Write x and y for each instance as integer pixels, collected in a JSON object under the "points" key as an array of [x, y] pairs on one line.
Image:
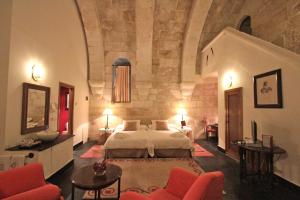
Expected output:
{"points": [[36, 73], [229, 79], [107, 112]]}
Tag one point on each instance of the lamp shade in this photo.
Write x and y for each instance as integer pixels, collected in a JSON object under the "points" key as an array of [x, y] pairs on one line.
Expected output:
{"points": [[182, 111], [107, 111]]}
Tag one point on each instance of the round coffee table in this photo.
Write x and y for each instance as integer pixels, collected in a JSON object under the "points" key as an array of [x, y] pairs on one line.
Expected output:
{"points": [[85, 179]]}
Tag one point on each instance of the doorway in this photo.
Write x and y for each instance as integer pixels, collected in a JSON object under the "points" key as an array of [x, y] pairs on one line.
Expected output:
{"points": [[234, 120], [65, 108]]}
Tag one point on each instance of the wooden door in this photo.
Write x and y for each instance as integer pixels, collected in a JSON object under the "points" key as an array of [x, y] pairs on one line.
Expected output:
{"points": [[234, 119]]}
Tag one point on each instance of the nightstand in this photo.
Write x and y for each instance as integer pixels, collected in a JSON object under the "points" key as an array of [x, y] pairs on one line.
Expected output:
{"points": [[105, 133], [188, 132]]}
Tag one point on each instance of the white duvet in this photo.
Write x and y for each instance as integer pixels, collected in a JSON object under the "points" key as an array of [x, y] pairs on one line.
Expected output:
{"points": [[148, 139]]}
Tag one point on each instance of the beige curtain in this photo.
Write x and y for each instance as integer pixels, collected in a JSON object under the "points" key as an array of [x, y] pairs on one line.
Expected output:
{"points": [[121, 84]]}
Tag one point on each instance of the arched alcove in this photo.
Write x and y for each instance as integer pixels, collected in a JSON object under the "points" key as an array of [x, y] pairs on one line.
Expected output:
{"points": [[121, 81], [245, 25]]}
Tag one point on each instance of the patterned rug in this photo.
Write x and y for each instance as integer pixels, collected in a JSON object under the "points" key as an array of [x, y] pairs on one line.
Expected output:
{"points": [[97, 151], [145, 175]]}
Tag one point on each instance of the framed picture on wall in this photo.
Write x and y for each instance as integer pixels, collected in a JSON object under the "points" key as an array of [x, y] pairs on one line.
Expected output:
{"points": [[268, 90]]}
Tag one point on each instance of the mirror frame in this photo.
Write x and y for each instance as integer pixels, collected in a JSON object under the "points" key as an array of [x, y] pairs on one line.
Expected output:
{"points": [[26, 87]]}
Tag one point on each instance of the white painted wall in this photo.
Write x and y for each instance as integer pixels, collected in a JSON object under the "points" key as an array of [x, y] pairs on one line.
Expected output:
{"points": [[5, 22], [47, 33], [245, 56]]}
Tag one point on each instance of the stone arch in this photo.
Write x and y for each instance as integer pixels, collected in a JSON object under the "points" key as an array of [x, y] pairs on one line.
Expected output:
{"points": [[121, 62], [94, 43], [193, 33], [194, 29]]}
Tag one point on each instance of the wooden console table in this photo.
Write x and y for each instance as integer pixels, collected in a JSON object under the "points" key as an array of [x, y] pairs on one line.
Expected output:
{"points": [[262, 154]]}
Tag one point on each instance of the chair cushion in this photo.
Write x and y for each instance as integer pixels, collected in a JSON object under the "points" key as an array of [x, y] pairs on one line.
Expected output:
{"points": [[46, 192], [180, 182], [162, 194], [215, 189], [133, 196], [21, 179], [207, 187]]}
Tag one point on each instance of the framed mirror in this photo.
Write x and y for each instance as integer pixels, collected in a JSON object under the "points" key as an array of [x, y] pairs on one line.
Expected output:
{"points": [[35, 108], [121, 81]]}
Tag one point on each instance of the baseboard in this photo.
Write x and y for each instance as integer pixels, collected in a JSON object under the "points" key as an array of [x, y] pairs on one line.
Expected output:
{"points": [[221, 149], [77, 145], [287, 183]]}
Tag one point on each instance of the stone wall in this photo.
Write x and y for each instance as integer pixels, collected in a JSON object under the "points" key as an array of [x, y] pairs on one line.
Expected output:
{"points": [[276, 21], [156, 66], [160, 101]]}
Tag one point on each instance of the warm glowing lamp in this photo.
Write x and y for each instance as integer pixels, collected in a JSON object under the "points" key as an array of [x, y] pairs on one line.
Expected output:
{"points": [[228, 79], [182, 112], [37, 72], [107, 112]]}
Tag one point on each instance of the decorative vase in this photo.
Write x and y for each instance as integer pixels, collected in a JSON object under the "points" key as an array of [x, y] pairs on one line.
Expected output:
{"points": [[99, 168]]}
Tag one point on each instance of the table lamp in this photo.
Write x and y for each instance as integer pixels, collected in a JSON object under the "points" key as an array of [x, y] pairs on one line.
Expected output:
{"points": [[182, 112], [107, 112]]}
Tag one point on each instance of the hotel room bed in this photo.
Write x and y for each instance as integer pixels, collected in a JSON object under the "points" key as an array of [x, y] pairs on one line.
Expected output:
{"points": [[147, 142]]}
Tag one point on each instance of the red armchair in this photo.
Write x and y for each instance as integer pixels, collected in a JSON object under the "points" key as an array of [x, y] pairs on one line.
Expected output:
{"points": [[28, 183], [186, 186]]}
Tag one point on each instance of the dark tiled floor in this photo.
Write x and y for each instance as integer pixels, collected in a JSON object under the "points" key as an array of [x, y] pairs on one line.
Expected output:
{"points": [[235, 190]]}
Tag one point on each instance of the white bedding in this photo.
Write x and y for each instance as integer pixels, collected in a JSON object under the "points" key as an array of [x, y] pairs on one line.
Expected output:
{"points": [[148, 139]]}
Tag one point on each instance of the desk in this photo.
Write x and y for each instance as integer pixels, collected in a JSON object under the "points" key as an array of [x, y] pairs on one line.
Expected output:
{"points": [[261, 152]]}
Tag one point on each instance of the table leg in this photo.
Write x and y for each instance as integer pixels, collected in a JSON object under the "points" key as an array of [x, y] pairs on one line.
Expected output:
{"points": [[72, 195], [119, 187], [258, 164], [99, 194], [271, 168], [96, 194], [241, 163]]}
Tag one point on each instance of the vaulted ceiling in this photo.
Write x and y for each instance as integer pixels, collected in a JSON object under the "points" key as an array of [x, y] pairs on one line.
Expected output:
{"points": [[162, 38], [159, 37]]}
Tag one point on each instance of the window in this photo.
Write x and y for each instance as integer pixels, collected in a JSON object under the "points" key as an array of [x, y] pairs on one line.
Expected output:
{"points": [[121, 82], [245, 25]]}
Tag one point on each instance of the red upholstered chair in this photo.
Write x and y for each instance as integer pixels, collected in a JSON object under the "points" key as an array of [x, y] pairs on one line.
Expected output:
{"points": [[186, 186], [28, 183]]}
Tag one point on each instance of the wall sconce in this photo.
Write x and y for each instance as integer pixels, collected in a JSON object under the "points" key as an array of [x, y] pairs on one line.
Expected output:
{"points": [[37, 73], [107, 112], [228, 80]]}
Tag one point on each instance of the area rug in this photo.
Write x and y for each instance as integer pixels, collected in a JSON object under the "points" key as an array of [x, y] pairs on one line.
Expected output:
{"points": [[201, 152], [97, 151], [145, 175]]}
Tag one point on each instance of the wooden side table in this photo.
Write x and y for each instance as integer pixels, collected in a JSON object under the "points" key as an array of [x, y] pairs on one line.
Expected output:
{"points": [[211, 129], [263, 154], [106, 132], [85, 179]]}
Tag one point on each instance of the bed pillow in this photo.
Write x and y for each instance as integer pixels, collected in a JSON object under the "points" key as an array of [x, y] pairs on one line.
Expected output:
{"points": [[131, 125], [160, 125]]}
